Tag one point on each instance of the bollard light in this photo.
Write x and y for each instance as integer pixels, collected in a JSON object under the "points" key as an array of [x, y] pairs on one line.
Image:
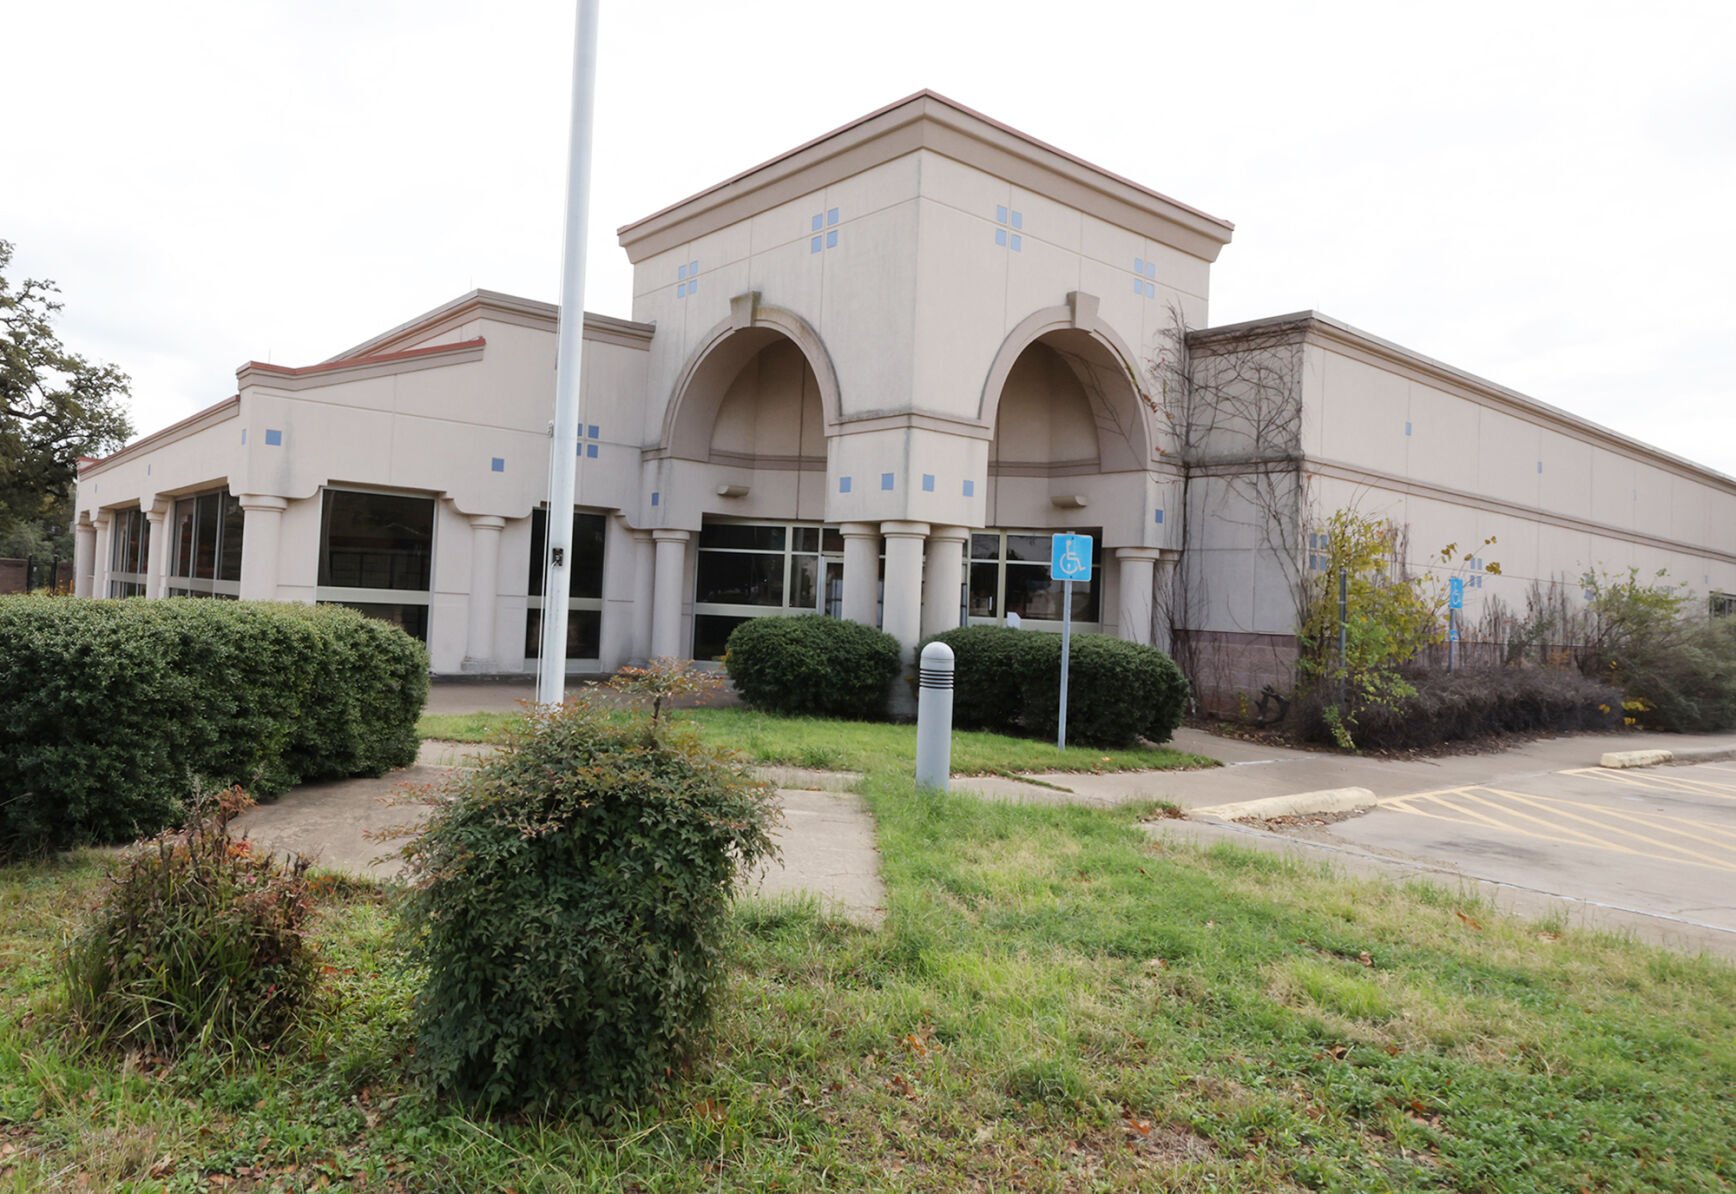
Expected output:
{"points": [[934, 716]]}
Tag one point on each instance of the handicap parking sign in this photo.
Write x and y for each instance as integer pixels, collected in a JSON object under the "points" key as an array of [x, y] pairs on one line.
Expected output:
{"points": [[1455, 592], [1070, 557]]}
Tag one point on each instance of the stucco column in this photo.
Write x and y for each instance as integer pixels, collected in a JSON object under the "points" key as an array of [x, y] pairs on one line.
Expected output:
{"points": [[902, 617], [666, 587], [861, 571], [644, 568], [99, 572], [1135, 583], [157, 558], [484, 591], [84, 560], [942, 578], [260, 532]]}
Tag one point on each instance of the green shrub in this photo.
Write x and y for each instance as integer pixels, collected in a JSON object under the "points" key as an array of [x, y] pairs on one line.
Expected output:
{"points": [[1677, 668], [570, 900], [1010, 681], [111, 711], [809, 664], [197, 938], [986, 664], [1467, 704]]}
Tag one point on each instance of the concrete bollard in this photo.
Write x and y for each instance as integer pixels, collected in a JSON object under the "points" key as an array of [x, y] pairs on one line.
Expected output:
{"points": [[934, 717]]}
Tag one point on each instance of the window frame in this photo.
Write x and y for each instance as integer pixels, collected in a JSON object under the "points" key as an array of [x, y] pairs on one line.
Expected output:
{"points": [[177, 584], [354, 596], [534, 602], [124, 549], [825, 603], [972, 560]]}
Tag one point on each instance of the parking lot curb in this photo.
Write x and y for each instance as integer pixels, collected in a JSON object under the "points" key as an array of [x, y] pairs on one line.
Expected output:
{"points": [[1617, 760], [1296, 804]]}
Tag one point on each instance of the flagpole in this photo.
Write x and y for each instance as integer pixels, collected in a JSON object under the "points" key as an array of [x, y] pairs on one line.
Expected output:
{"points": [[563, 457]]}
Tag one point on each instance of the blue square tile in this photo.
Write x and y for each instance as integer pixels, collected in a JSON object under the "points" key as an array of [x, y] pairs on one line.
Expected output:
{"points": [[693, 286], [274, 437], [591, 431], [1407, 426], [815, 245], [497, 464], [832, 216], [843, 485], [693, 269], [1139, 266], [681, 272], [591, 451], [1159, 514], [1539, 463], [814, 224], [244, 435], [832, 240], [1018, 219], [1000, 214], [656, 498], [1018, 243], [970, 489], [681, 290], [1000, 236], [928, 482], [1138, 287], [886, 480]]}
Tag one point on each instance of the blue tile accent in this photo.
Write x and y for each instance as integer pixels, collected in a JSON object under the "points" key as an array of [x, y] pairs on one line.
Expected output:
{"points": [[274, 438], [1000, 213], [1407, 426], [244, 435], [886, 480], [832, 239], [497, 464], [815, 245], [693, 286], [693, 269], [591, 451], [928, 482], [1138, 287], [1151, 269], [591, 431], [970, 489], [656, 498], [832, 217], [1539, 464], [1018, 243], [1000, 236], [843, 485], [681, 272], [1018, 219], [1159, 513], [1139, 266], [681, 290], [147, 470], [814, 224]]}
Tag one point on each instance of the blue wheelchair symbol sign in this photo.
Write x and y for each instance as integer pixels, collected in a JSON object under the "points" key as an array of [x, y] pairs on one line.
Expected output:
{"points": [[1070, 557], [1455, 593]]}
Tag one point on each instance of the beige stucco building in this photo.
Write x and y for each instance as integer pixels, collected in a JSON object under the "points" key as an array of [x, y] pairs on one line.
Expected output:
{"points": [[867, 378]]}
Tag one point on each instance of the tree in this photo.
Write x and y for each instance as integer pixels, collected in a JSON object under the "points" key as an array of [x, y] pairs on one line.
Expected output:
{"points": [[55, 406]]}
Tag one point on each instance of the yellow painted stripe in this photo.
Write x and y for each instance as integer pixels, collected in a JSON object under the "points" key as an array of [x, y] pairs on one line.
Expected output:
{"points": [[1708, 859], [1659, 783], [1471, 794], [1700, 827]]}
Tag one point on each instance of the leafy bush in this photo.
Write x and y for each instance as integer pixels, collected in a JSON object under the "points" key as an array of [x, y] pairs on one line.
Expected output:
{"points": [[1010, 681], [809, 664], [198, 938], [1466, 704], [569, 904], [110, 711], [1678, 670]]}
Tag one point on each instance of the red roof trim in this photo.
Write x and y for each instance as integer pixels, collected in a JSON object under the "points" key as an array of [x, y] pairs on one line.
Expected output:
{"points": [[384, 358]]}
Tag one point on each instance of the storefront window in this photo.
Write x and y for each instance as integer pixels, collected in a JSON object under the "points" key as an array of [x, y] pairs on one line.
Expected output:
{"points": [[205, 558], [130, 554], [1009, 573], [376, 555], [751, 569], [585, 594]]}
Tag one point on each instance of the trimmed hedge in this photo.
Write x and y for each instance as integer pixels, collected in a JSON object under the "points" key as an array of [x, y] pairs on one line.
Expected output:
{"points": [[810, 664], [112, 712], [1472, 703], [1010, 681]]}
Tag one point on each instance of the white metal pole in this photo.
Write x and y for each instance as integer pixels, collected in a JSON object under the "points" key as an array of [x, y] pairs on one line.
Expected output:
{"points": [[563, 457]]}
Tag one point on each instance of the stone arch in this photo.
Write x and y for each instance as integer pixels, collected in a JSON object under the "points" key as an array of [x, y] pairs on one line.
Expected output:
{"points": [[723, 354], [1098, 360]]}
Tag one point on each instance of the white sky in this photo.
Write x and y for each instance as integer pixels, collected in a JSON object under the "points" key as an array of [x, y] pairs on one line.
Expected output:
{"points": [[1540, 193]]}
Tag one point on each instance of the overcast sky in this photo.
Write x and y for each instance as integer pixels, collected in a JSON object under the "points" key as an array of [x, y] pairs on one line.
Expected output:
{"points": [[1540, 193]]}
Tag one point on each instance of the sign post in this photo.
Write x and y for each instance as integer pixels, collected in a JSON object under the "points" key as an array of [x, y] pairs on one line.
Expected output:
{"points": [[1455, 603], [1069, 560]]}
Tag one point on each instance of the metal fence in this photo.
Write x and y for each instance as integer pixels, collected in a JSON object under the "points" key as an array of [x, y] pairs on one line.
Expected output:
{"points": [[32, 573]]}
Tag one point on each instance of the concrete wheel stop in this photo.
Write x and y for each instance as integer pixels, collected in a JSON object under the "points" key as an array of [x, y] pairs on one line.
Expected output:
{"points": [[1296, 804]]}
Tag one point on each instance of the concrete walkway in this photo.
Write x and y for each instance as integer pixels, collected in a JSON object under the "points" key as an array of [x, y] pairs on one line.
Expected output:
{"points": [[356, 825]]}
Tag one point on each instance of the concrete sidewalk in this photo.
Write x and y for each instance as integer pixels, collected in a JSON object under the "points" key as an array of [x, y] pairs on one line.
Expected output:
{"points": [[1253, 771], [826, 838]]}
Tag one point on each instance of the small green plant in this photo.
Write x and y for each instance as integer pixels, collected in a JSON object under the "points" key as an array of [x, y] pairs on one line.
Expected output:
{"points": [[664, 681], [809, 664], [1677, 667], [1334, 719], [569, 904], [199, 938]]}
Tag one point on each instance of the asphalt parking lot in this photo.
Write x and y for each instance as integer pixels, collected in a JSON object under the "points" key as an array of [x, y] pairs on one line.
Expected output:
{"points": [[1657, 843]]}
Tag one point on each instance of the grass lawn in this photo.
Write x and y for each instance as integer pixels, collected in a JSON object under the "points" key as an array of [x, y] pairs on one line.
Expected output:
{"points": [[855, 745], [1056, 1002]]}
